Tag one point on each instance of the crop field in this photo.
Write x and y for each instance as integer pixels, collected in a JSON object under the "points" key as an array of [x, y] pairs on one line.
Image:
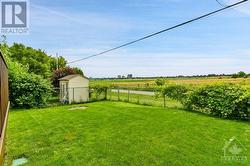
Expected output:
{"points": [[145, 84]]}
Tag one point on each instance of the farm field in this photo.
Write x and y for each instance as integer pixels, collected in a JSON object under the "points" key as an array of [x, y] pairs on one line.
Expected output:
{"points": [[150, 83], [117, 133]]}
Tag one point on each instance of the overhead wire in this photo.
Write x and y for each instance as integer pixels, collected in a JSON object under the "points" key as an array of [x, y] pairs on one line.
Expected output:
{"points": [[162, 31], [220, 3]]}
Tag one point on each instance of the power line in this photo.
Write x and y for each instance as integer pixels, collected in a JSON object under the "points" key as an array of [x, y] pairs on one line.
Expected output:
{"points": [[162, 31], [221, 4]]}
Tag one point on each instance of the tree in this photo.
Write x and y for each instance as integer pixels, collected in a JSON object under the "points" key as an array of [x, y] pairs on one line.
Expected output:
{"points": [[78, 70], [160, 81], [26, 89], [62, 72], [36, 60], [240, 74], [55, 63]]}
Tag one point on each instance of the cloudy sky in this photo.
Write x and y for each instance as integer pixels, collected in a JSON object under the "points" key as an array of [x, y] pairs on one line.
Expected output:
{"points": [[79, 28]]}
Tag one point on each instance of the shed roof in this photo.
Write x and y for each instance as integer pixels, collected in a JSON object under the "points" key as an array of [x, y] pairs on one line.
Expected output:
{"points": [[69, 77]]}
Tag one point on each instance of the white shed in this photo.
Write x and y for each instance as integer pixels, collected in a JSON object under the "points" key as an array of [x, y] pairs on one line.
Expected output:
{"points": [[74, 88]]}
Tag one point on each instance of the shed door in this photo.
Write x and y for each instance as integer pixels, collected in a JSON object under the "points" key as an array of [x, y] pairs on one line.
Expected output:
{"points": [[65, 94]]}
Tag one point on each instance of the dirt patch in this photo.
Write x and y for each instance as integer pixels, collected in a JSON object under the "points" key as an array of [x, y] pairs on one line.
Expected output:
{"points": [[78, 108]]}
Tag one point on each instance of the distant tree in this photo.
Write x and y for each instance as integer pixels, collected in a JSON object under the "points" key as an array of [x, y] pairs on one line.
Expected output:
{"points": [[235, 75], [78, 70], [55, 63], [62, 72], [160, 81], [240, 74]]}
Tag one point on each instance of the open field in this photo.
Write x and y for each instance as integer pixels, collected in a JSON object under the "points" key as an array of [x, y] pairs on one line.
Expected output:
{"points": [[150, 83], [116, 133]]}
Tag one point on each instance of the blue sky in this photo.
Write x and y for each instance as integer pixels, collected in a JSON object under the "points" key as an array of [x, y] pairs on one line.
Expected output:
{"points": [[79, 28]]}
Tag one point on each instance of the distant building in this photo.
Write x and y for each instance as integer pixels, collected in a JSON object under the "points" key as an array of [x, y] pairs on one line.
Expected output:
{"points": [[130, 76]]}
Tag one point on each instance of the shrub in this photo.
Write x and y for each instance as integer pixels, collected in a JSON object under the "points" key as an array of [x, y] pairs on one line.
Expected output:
{"points": [[98, 91], [28, 90], [176, 92], [160, 81], [224, 100]]}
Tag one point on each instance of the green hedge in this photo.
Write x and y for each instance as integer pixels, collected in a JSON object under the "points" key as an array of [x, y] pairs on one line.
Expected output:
{"points": [[176, 92], [224, 100], [28, 90]]}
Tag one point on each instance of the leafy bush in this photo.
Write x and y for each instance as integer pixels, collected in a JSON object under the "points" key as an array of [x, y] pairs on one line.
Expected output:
{"points": [[224, 100], [26, 89], [160, 81], [98, 91], [176, 92]]}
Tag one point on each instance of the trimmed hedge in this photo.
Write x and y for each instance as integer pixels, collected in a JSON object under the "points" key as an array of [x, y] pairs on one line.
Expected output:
{"points": [[224, 100]]}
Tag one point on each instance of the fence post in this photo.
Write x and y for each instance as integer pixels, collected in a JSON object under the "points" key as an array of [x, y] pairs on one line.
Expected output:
{"points": [[110, 96], [138, 99], [73, 94], [164, 98], [128, 94], [89, 94], [118, 94], [106, 93]]}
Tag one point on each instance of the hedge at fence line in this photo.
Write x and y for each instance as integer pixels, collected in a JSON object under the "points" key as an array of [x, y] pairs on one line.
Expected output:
{"points": [[28, 90], [224, 100], [176, 92]]}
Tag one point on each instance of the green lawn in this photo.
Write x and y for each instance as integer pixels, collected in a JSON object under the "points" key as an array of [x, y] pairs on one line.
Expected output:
{"points": [[116, 133]]}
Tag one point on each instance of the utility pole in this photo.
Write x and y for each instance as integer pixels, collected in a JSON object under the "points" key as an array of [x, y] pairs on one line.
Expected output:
{"points": [[57, 63]]}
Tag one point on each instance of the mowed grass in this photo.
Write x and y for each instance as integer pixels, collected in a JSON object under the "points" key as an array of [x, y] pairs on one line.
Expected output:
{"points": [[116, 133]]}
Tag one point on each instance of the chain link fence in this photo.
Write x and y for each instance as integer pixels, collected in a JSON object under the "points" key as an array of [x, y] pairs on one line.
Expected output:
{"points": [[91, 94]]}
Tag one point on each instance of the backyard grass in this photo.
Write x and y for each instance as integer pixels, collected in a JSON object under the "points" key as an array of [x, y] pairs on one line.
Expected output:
{"points": [[117, 133]]}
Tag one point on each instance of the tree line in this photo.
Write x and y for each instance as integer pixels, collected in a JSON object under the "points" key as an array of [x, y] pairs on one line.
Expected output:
{"points": [[33, 74]]}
